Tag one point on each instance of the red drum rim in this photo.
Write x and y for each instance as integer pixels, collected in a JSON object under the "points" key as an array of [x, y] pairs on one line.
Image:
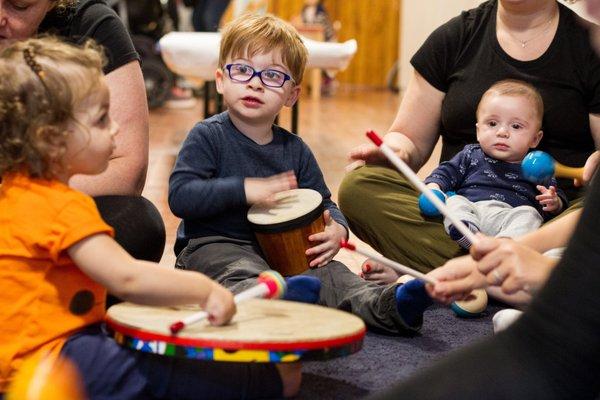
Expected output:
{"points": [[234, 345]]}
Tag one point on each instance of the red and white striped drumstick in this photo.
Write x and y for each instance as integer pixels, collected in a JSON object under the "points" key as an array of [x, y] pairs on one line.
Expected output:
{"points": [[403, 269], [271, 286], [405, 169]]}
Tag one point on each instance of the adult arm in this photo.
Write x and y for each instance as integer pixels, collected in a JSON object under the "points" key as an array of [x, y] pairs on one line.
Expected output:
{"points": [[519, 262], [127, 168], [553, 234], [414, 132]]}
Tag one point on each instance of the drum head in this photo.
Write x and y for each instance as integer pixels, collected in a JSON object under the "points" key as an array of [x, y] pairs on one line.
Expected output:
{"points": [[295, 208], [267, 330]]}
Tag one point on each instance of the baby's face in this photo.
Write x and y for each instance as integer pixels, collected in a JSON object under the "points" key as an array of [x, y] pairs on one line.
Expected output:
{"points": [[257, 100], [507, 127]]}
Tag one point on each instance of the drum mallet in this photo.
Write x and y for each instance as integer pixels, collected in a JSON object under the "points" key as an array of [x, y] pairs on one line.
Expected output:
{"points": [[414, 179], [271, 285], [539, 166], [403, 269]]}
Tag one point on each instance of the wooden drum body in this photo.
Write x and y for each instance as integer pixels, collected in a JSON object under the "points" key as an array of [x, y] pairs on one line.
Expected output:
{"points": [[283, 230], [261, 331]]}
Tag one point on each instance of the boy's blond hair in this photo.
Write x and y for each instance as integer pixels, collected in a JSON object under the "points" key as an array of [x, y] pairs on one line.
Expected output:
{"points": [[249, 35], [517, 88], [41, 82]]}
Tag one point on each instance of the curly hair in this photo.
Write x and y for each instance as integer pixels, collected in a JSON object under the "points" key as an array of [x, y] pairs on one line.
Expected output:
{"points": [[41, 82]]}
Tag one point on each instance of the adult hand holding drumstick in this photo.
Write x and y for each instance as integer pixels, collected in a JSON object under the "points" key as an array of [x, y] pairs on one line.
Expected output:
{"points": [[505, 266], [510, 267]]}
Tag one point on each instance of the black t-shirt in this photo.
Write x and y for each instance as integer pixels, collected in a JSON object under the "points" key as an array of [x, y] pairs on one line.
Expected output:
{"points": [[463, 59], [93, 19]]}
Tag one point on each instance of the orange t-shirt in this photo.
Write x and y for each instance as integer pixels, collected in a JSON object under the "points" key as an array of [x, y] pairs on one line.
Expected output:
{"points": [[45, 297]]}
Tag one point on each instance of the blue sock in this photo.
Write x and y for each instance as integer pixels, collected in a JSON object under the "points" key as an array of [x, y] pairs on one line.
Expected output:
{"points": [[411, 301], [303, 288], [458, 237]]}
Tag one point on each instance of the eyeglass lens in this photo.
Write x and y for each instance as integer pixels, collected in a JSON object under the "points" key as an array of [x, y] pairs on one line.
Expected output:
{"points": [[243, 73]]}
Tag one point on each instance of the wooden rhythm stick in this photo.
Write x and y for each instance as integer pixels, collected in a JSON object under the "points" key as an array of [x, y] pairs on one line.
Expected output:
{"points": [[414, 179], [403, 269], [271, 286]]}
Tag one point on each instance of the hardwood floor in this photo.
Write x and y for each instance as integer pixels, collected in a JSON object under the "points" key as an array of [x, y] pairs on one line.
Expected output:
{"points": [[331, 126]]}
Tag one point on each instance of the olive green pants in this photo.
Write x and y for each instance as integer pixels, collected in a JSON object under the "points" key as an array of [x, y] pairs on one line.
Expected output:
{"points": [[382, 209]]}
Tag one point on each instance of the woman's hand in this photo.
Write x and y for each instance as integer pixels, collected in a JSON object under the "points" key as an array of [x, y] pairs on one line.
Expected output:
{"points": [[589, 169], [456, 279], [511, 265], [366, 153], [329, 242]]}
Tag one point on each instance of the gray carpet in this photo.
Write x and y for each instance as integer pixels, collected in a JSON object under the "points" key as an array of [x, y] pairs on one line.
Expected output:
{"points": [[385, 360]]}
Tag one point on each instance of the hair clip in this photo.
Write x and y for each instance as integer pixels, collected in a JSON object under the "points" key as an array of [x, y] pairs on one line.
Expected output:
{"points": [[30, 60]]}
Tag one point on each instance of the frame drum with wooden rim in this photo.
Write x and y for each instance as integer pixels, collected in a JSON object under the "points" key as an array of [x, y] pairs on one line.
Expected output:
{"points": [[282, 231], [261, 331]]}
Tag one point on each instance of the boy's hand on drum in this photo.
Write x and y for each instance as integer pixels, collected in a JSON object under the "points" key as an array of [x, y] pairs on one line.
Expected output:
{"points": [[263, 190], [548, 199], [219, 305], [329, 240], [456, 279]]}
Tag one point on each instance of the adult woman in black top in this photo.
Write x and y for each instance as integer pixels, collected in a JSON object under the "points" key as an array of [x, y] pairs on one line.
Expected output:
{"points": [[539, 41], [137, 223]]}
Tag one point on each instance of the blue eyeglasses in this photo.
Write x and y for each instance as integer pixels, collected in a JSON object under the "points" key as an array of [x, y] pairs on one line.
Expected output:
{"points": [[269, 77]]}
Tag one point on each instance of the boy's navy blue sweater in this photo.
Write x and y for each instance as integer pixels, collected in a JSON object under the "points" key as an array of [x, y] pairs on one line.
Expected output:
{"points": [[206, 187]]}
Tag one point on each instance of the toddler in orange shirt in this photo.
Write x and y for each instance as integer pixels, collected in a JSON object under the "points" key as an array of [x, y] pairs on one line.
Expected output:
{"points": [[58, 257]]}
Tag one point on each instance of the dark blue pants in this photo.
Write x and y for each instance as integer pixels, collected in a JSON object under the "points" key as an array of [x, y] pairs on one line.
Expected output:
{"points": [[236, 265], [110, 371]]}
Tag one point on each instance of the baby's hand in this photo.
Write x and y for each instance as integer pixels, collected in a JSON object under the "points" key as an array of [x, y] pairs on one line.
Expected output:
{"points": [[549, 199], [330, 240], [263, 190], [219, 305]]}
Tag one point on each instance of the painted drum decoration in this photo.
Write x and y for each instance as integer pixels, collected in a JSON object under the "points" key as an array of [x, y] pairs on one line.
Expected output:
{"points": [[261, 331]]}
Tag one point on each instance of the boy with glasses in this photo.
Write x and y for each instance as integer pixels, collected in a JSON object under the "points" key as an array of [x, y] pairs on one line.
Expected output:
{"points": [[239, 158], [492, 196]]}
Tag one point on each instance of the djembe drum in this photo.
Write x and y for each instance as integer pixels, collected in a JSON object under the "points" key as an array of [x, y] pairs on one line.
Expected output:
{"points": [[261, 331], [282, 231]]}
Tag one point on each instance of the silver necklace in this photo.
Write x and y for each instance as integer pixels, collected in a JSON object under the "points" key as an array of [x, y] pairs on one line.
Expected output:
{"points": [[525, 42]]}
